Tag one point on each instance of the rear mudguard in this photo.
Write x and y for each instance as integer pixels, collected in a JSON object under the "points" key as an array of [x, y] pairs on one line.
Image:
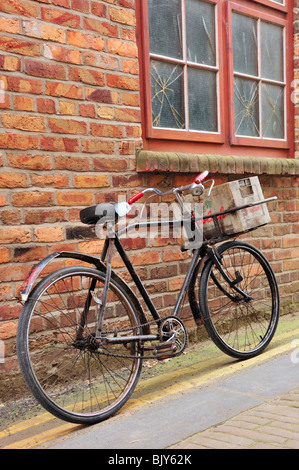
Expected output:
{"points": [[37, 269]]}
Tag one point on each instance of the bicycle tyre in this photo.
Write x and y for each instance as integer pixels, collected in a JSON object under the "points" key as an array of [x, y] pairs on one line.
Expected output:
{"points": [[240, 329], [73, 380]]}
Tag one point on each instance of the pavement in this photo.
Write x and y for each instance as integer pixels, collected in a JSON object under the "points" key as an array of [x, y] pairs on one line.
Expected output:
{"points": [[272, 425], [193, 402]]}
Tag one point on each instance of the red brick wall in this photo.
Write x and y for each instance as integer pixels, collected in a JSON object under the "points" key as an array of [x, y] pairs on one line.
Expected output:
{"points": [[69, 129], [69, 132]]}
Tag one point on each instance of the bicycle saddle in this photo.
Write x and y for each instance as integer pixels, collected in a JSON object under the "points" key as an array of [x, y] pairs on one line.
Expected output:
{"points": [[102, 213]]}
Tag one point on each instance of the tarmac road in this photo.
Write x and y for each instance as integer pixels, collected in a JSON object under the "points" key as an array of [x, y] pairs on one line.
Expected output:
{"points": [[186, 398]]}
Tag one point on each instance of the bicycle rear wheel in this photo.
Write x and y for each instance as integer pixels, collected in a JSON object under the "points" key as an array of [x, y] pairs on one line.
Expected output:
{"points": [[67, 372], [240, 328]]}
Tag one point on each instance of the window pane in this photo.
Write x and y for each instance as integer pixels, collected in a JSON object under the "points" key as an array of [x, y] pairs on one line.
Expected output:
{"points": [[200, 26], [167, 95], [272, 51], [246, 107], [165, 27], [245, 44], [273, 111], [202, 100]]}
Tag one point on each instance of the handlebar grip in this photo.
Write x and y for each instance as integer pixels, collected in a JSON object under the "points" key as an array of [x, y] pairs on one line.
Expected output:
{"points": [[199, 179], [135, 197]]}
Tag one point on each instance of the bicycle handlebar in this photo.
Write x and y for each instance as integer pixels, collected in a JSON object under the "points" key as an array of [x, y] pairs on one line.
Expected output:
{"points": [[198, 180]]}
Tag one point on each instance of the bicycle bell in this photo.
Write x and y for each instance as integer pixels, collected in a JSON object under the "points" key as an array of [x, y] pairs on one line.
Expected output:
{"points": [[197, 189]]}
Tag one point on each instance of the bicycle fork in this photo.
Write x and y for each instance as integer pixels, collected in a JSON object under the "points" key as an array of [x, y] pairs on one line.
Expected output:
{"points": [[212, 253]]}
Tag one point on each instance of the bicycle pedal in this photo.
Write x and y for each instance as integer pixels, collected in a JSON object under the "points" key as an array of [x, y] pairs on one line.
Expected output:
{"points": [[165, 350]]}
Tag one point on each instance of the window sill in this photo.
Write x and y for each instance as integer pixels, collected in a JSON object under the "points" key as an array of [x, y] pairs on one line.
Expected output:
{"points": [[153, 161]]}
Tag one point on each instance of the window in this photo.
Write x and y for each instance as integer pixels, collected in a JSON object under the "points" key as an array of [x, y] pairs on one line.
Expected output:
{"points": [[258, 78], [217, 71], [184, 68]]}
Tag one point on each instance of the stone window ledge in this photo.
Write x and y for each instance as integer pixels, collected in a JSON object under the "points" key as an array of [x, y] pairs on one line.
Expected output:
{"points": [[153, 161]]}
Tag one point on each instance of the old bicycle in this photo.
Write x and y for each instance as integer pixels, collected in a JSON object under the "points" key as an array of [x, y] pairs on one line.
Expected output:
{"points": [[83, 334]]}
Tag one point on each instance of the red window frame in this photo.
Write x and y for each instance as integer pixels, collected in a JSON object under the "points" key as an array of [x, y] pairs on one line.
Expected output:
{"points": [[184, 134], [225, 141], [255, 141]]}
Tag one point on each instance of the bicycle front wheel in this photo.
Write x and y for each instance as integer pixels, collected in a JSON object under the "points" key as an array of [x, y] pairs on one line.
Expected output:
{"points": [[240, 328], [65, 369]]}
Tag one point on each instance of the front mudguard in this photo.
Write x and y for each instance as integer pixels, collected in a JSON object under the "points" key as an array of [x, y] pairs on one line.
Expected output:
{"points": [[37, 269]]}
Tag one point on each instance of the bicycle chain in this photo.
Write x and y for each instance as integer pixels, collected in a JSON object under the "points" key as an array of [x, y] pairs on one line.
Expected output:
{"points": [[131, 328]]}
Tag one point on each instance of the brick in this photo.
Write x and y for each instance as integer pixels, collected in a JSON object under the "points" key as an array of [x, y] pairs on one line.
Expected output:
{"points": [[48, 234], [31, 162], [22, 85], [2, 200], [4, 255], [18, 141], [10, 235], [106, 130], [105, 112], [56, 144], [11, 217], [91, 181], [81, 5], [13, 180], [17, 46], [64, 90], [101, 27], [33, 198], [74, 198], [45, 216], [67, 126], [44, 31], [23, 122], [92, 77], [57, 180], [110, 164], [128, 114], [85, 41], [123, 16], [62, 54], [10, 25], [121, 48], [98, 9], [23, 103], [102, 61], [60, 17], [289, 242], [5, 292], [46, 106], [87, 110], [130, 181], [10, 273], [71, 163], [45, 69], [102, 96], [9, 63], [19, 7], [123, 82], [9, 329], [67, 108], [145, 258], [97, 146], [21, 254]]}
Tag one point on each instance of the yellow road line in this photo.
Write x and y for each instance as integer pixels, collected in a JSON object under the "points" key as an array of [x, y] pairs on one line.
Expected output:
{"points": [[224, 368], [44, 436]]}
